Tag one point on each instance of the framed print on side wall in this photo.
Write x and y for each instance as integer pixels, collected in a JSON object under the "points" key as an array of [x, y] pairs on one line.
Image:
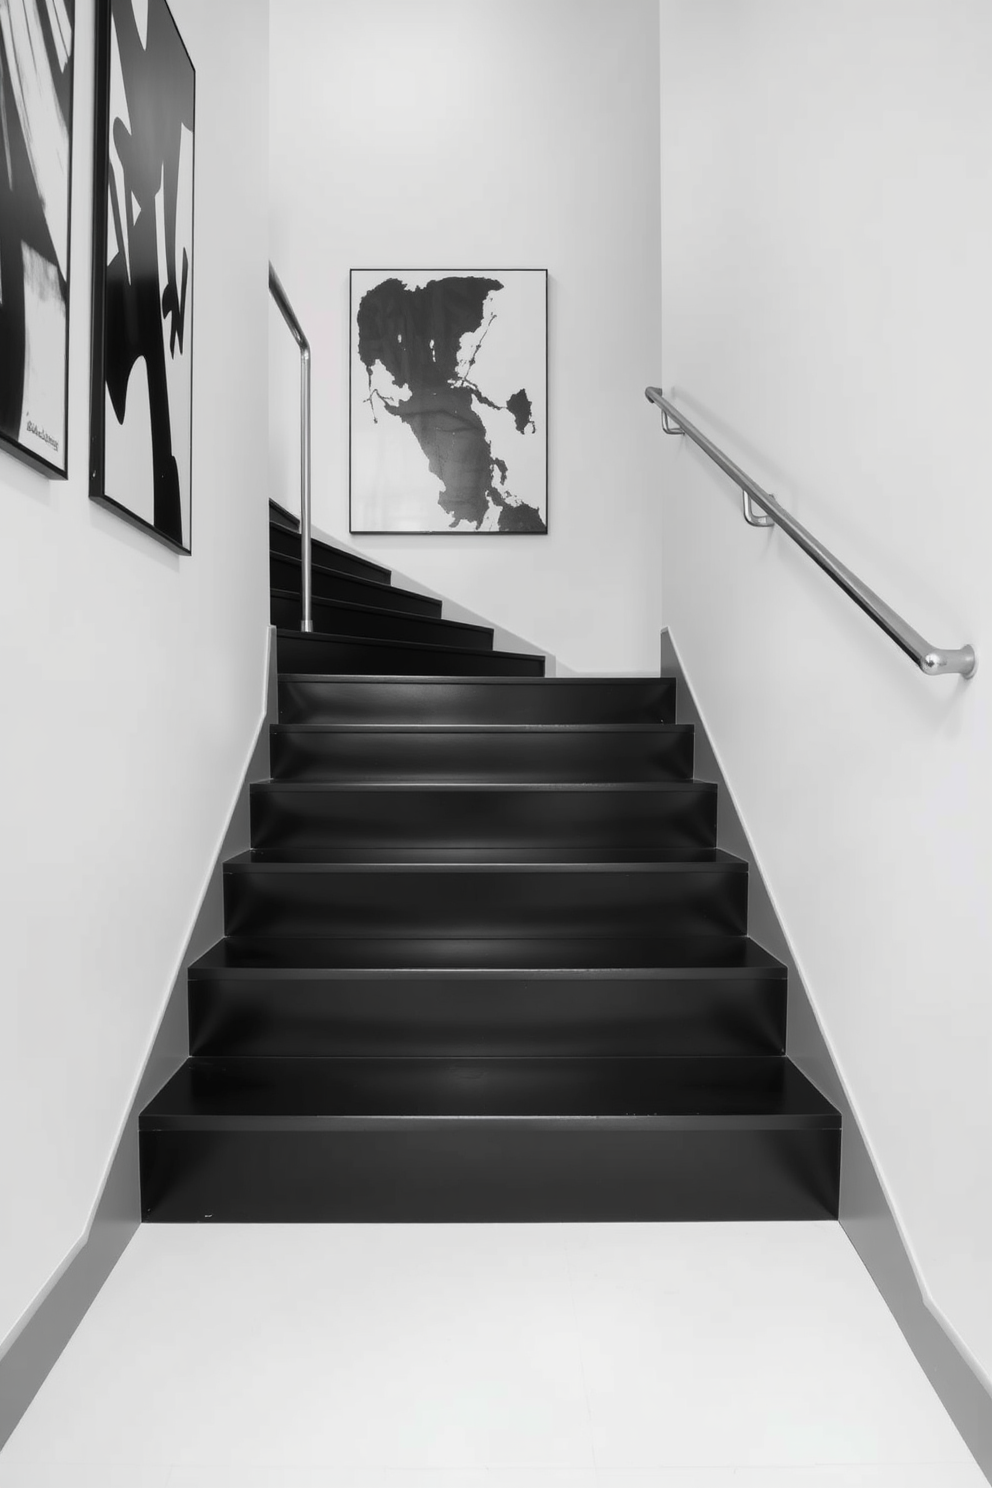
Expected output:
{"points": [[142, 377], [449, 401], [36, 77]]}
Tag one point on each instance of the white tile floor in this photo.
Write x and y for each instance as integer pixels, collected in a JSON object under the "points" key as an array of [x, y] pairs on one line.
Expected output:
{"points": [[571, 1356]]}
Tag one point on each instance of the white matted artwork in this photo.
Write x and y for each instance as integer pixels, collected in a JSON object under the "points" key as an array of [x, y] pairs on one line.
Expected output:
{"points": [[449, 400], [36, 77]]}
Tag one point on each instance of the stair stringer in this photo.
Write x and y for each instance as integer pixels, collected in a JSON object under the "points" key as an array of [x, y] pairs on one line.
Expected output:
{"points": [[865, 1212]]}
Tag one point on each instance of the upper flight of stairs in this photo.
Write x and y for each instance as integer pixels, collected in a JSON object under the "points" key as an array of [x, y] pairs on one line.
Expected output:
{"points": [[484, 960]]}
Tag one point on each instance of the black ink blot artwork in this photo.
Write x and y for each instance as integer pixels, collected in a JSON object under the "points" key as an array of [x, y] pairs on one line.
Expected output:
{"points": [[449, 395], [143, 298]]}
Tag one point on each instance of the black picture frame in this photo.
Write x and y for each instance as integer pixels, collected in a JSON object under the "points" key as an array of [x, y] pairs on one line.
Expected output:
{"points": [[132, 304], [36, 234], [540, 528]]}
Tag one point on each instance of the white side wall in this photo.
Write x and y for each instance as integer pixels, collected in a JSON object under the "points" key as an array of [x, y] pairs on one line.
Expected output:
{"points": [[496, 134], [827, 315], [133, 687]]}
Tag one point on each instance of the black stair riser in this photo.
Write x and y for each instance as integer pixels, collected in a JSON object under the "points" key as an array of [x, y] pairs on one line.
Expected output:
{"points": [[532, 755], [330, 654], [341, 700], [573, 1015], [288, 543], [490, 1171], [698, 900], [683, 817], [381, 625], [285, 574]]}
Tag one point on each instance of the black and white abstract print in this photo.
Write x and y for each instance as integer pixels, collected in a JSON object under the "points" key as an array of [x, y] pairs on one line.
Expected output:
{"points": [[146, 348], [36, 70], [449, 401]]}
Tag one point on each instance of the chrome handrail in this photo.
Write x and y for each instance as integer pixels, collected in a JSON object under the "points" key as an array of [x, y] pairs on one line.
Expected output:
{"points": [[932, 660], [289, 316]]}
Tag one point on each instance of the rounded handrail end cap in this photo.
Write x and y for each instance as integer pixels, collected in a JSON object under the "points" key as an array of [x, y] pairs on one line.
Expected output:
{"points": [[964, 663]]}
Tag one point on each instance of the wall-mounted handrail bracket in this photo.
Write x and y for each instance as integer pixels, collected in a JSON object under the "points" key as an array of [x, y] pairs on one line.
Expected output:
{"points": [[752, 517], [306, 542], [933, 661]]}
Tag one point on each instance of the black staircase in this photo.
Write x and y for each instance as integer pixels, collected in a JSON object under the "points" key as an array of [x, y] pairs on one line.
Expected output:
{"points": [[484, 960]]}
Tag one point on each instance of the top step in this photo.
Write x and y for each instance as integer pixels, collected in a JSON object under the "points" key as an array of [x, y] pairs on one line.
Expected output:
{"points": [[282, 540], [280, 517]]}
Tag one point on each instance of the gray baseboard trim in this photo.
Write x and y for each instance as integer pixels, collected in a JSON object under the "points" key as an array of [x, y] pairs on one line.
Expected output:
{"points": [[26, 1364], [865, 1214], [28, 1360]]}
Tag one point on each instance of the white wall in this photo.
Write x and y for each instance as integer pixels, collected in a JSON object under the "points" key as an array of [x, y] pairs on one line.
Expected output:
{"points": [[133, 681], [827, 316], [502, 133]]}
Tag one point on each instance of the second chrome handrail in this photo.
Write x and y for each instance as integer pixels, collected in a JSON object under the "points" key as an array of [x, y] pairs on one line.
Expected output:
{"points": [[289, 316], [934, 661]]}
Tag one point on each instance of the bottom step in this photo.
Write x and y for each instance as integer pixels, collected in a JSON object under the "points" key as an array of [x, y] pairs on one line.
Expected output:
{"points": [[489, 1140]]}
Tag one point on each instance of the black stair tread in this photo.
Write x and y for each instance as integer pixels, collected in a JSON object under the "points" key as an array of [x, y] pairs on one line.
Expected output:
{"points": [[362, 750], [329, 552], [378, 590], [458, 856], [370, 609], [473, 729], [405, 679], [367, 658], [707, 955], [487, 786], [246, 862], [337, 695], [315, 637], [696, 1091]]}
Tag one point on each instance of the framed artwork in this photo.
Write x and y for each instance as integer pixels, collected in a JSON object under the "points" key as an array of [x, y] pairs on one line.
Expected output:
{"points": [[449, 400], [36, 74], [142, 383]]}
